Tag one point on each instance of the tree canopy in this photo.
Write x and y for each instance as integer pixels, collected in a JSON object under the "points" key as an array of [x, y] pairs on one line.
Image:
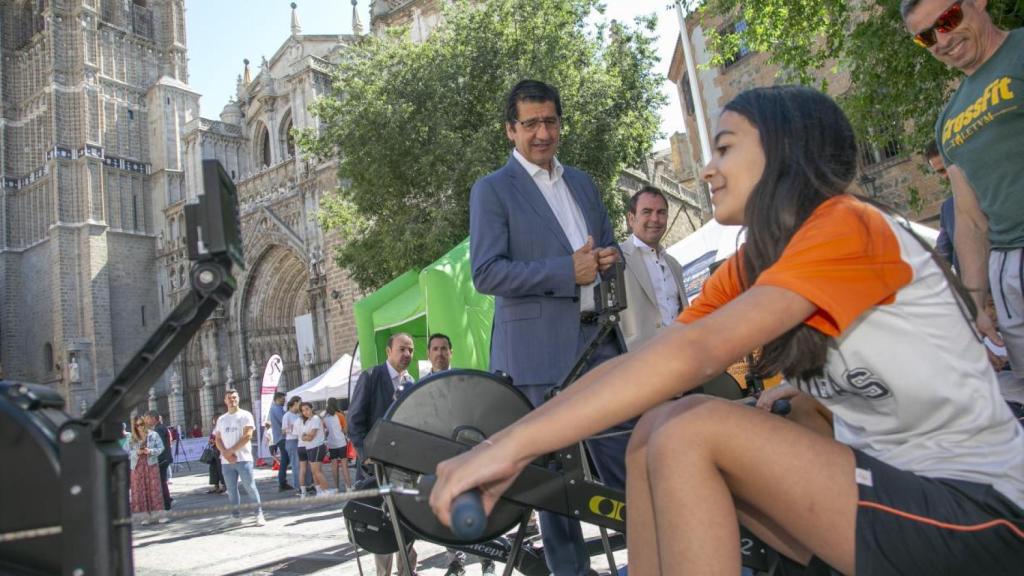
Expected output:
{"points": [[413, 125], [897, 89]]}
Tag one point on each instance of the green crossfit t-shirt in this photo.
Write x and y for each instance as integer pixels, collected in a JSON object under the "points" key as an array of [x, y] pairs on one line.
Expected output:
{"points": [[982, 131]]}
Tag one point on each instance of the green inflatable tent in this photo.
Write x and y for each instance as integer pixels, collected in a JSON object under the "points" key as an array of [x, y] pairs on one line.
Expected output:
{"points": [[439, 298]]}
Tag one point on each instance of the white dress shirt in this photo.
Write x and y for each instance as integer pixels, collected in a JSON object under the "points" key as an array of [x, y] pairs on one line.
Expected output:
{"points": [[399, 380], [666, 292], [570, 217]]}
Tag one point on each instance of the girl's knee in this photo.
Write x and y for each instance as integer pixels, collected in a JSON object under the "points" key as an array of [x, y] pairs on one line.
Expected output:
{"points": [[691, 418]]}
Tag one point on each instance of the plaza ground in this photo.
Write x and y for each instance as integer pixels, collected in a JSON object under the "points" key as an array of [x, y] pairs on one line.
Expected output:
{"points": [[294, 541]]}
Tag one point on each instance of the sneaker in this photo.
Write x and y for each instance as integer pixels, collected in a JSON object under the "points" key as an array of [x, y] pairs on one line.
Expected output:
{"points": [[260, 520], [163, 520], [487, 568], [237, 520], [285, 488], [455, 569]]}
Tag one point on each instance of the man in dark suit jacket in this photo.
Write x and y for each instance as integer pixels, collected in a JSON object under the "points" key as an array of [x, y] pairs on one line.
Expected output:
{"points": [[376, 390], [154, 422], [539, 235]]}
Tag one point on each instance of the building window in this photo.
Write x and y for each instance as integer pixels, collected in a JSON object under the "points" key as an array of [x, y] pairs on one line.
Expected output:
{"points": [[289, 140], [684, 87], [48, 358], [736, 28], [135, 212], [143, 314], [871, 154], [263, 147]]}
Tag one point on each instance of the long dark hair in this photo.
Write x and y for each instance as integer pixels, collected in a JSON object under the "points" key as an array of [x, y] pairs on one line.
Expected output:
{"points": [[810, 156]]}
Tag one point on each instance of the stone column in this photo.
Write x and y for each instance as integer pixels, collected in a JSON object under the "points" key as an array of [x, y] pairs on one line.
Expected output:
{"points": [[207, 400], [175, 402]]}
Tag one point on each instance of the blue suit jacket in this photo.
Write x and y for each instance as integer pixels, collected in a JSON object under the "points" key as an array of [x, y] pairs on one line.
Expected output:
{"points": [[371, 398], [521, 255]]}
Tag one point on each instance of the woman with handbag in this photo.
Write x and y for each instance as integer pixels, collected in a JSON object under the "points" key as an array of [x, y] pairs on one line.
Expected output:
{"points": [[144, 448], [334, 420], [212, 457]]}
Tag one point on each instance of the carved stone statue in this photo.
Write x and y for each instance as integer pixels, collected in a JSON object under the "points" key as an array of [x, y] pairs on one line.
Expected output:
{"points": [[74, 371]]}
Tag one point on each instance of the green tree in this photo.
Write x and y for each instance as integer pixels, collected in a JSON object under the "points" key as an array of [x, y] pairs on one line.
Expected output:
{"points": [[413, 125], [896, 88]]}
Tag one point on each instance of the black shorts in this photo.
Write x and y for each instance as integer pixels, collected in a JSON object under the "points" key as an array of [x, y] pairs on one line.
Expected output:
{"points": [[337, 453], [312, 454], [911, 524]]}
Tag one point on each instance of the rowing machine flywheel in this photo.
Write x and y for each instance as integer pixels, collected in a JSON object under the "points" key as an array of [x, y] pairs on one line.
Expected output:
{"points": [[463, 405]]}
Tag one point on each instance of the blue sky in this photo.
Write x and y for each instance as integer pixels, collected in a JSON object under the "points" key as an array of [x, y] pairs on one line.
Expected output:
{"points": [[221, 33]]}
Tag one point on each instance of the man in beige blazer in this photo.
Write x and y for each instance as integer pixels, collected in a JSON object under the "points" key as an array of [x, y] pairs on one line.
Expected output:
{"points": [[654, 280]]}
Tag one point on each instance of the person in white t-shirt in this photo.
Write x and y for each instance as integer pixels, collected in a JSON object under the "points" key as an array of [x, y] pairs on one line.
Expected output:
{"points": [[312, 448], [337, 442], [233, 435], [290, 428]]}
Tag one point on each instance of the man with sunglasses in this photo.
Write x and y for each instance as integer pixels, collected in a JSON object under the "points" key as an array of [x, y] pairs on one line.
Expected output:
{"points": [[539, 237], [981, 138]]}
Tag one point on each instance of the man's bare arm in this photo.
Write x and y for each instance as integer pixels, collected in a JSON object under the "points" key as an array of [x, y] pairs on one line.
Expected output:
{"points": [[971, 242]]}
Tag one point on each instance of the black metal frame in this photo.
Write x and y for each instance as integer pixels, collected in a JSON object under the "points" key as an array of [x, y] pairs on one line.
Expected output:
{"points": [[91, 468]]}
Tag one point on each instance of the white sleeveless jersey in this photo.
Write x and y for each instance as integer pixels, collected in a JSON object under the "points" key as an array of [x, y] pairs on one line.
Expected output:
{"points": [[908, 380]]}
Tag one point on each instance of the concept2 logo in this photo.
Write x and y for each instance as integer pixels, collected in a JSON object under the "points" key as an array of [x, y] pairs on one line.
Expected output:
{"points": [[603, 506]]}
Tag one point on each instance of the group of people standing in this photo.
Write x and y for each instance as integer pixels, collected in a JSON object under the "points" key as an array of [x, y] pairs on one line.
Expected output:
{"points": [[304, 439]]}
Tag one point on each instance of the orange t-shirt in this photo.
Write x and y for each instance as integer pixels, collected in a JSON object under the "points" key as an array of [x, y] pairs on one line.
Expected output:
{"points": [[844, 259]]}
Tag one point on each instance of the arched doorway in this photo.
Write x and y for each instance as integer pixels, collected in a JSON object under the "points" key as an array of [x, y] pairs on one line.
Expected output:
{"points": [[275, 296]]}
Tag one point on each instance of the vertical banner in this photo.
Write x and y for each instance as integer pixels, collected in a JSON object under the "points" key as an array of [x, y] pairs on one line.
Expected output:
{"points": [[271, 377]]}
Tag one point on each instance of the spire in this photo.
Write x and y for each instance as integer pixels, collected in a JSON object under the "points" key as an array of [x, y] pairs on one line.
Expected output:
{"points": [[296, 27], [246, 75], [357, 26]]}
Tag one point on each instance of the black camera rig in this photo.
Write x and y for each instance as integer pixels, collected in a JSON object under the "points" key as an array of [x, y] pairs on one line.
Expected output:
{"points": [[64, 496]]}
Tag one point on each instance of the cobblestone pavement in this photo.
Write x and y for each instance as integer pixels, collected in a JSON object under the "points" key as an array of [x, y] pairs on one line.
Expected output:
{"points": [[306, 541]]}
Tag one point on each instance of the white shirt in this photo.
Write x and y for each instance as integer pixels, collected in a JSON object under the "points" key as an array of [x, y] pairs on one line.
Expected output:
{"points": [[559, 198], [314, 424], [335, 435], [666, 292], [230, 427], [400, 381], [289, 424]]}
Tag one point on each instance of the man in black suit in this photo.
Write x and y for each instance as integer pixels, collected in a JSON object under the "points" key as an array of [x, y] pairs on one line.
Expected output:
{"points": [[375, 390], [154, 422]]}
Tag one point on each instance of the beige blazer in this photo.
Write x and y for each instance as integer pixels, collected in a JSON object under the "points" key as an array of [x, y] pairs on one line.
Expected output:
{"points": [[641, 318]]}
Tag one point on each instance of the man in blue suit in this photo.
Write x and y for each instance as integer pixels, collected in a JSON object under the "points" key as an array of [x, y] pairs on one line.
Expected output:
{"points": [[539, 236]]}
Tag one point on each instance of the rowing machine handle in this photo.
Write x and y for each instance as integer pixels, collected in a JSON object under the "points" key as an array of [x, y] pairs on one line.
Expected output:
{"points": [[468, 520], [782, 407]]}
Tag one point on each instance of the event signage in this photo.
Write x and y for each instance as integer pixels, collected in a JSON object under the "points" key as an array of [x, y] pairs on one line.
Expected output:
{"points": [[271, 377]]}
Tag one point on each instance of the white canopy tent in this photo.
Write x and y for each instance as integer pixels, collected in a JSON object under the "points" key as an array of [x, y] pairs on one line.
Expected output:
{"points": [[714, 242], [331, 384]]}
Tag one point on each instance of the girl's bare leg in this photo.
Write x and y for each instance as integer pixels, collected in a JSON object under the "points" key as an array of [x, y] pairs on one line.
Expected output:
{"points": [[702, 463]]}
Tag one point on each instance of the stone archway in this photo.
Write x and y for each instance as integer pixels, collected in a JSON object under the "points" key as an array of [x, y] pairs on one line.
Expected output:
{"points": [[275, 294]]}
